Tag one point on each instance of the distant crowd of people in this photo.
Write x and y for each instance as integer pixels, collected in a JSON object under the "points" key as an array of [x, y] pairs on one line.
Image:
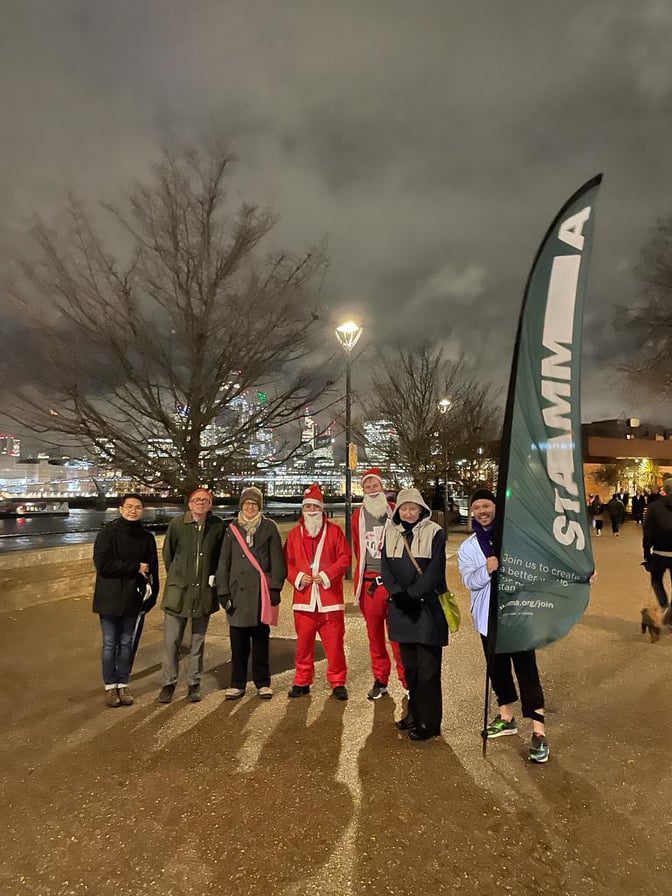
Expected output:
{"points": [[400, 574]]}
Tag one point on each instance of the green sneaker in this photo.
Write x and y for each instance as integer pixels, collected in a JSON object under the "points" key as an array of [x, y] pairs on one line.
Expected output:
{"points": [[498, 727], [539, 748]]}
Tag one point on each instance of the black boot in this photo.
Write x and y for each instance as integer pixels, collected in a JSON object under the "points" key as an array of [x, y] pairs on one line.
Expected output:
{"points": [[408, 723]]}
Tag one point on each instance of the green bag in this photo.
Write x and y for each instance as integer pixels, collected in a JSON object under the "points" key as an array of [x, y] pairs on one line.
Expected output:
{"points": [[451, 610]]}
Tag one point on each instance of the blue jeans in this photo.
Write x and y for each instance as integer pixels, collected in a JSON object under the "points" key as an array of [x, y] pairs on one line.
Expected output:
{"points": [[117, 648]]}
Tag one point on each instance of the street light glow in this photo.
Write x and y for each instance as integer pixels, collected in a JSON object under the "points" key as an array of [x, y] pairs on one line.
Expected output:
{"points": [[348, 334], [445, 405]]}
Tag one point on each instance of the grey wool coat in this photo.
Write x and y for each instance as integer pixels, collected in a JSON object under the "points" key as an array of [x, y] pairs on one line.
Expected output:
{"points": [[237, 581]]}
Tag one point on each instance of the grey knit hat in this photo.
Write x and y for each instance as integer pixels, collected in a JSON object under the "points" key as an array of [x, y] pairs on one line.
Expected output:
{"points": [[252, 493]]}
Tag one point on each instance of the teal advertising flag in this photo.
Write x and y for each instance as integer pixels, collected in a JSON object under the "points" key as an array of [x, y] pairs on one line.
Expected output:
{"points": [[542, 587]]}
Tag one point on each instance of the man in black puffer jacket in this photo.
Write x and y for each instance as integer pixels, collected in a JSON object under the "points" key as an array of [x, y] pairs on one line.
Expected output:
{"points": [[127, 582], [657, 541]]}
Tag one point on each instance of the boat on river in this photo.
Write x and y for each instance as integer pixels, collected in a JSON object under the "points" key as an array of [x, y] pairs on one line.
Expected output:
{"points": [[17, 508]]}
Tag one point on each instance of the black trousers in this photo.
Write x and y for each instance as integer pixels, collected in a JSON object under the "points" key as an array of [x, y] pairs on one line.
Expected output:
{"points": [[658, 566], [501, 678], [256, 637], [422, 664]]}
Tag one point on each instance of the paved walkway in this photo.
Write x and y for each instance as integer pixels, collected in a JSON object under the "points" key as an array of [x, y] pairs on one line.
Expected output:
{"points": [[317, 797]]}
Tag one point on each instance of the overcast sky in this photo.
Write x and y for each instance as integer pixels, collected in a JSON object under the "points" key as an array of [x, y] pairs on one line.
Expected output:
{"points": [[430, 143]]}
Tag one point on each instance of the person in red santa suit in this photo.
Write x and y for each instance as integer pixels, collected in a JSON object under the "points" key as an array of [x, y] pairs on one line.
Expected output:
{"points": [[318, 557], [368, 532]]}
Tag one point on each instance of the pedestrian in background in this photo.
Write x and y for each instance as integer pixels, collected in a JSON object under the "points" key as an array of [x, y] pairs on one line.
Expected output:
{"points": [[596, 511], [191, 552], [126, 562], [249, 579], [318, 556], [413, 566], [368, 533], [616, 512], [657, 542]]}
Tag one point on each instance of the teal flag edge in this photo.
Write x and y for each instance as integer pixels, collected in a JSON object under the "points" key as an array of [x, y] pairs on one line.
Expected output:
{"points": [[527, 603]]}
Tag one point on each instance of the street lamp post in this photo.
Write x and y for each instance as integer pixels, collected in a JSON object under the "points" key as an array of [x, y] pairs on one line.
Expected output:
{"points": [[348, 336], [444, 406]]}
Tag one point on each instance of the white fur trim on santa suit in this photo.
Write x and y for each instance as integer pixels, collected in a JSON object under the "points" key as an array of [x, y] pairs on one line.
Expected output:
{"points": [[373, 473], [359, 530], [313, 495]]}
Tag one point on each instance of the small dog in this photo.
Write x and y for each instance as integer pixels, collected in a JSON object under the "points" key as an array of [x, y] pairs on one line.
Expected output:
{"points": [[653, 620]]}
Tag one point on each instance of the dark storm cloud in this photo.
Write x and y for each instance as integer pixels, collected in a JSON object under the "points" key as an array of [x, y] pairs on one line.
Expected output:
{"points": [[432, 143]]}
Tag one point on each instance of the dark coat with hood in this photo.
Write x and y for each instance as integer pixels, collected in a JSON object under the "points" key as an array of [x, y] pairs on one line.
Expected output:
{"points": [[415, 614], [119, 549], [191, 553], [238, 584]]}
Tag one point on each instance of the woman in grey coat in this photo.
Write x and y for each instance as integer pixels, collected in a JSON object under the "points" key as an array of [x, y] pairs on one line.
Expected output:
{"points": [[241, 591], [413, 566]]}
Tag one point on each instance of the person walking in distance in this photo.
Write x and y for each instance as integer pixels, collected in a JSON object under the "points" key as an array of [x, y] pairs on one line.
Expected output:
{"points": [[368, 533], [249, 580], [616, 513], [191, 551], [318, 557], [477, 562], [126, 561], [657, 543]]}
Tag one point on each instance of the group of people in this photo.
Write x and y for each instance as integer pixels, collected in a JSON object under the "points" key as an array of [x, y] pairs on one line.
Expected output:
{"points": [[615, 510], [400, 573]]}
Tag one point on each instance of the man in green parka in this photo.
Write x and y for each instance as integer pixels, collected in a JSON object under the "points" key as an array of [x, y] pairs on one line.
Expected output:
{"points": [[190, 552]]}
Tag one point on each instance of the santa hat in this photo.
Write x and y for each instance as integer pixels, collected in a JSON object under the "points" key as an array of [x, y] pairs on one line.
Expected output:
{"points": [[373, 473], [313, 495]]}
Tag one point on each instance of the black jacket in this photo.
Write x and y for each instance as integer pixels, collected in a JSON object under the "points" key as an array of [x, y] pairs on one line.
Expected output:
{"points": [[119, 549], [657, 534], [420, 621]]}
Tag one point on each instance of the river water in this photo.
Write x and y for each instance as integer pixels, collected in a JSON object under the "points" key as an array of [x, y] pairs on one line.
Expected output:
{"points": [[82, 526]]}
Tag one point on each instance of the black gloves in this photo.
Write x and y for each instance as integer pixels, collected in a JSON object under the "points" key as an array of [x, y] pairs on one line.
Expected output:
{"points": [[407, 604], [227, 603], [646, 563], [275, 597], [148, 604]]}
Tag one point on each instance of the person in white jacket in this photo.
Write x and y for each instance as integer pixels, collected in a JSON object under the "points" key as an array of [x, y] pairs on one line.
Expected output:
{"points": [[477, 562]]}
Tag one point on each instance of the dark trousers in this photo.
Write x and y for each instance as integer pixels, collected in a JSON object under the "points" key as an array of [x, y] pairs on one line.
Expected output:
{"points": [[256, 637], [658, 566], [422, 665], [501, 677]]}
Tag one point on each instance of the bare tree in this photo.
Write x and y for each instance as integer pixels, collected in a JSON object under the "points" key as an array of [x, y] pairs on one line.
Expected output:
{"points": [[406, 389], [170, 356], [649, 323]]}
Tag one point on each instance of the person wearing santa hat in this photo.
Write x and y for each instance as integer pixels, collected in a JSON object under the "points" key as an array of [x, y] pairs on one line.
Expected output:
{"points": [[318, 556], [368, 533]]}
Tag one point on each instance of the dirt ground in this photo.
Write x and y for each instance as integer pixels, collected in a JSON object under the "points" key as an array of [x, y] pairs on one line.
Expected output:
{"points": [[313, 796]]}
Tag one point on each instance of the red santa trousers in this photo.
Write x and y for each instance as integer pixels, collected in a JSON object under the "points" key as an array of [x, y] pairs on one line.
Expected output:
{"points": [[331, 628], [374, 609]]}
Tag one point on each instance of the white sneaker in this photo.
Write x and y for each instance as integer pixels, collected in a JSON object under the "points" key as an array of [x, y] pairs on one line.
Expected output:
{"points": [[265, 693], [234, 693]]}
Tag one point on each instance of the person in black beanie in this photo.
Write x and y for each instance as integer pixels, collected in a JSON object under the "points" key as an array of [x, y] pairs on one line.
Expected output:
{"points": [[477, 562], [126, 562]]}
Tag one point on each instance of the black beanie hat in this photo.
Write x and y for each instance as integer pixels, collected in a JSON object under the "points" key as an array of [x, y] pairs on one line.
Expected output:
{"points": [[482, 494]]}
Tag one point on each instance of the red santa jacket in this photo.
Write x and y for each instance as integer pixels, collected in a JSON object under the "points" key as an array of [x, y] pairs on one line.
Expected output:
{"points": [[331, 559], [358, 543]]}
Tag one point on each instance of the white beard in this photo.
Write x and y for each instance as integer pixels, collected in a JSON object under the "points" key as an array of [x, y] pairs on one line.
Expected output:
{"points": [[376, 505], [313, 523]]}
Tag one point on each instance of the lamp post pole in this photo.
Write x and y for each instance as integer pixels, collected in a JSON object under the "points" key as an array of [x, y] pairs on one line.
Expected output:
{"points": [[348, 335], [444, 406]]}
